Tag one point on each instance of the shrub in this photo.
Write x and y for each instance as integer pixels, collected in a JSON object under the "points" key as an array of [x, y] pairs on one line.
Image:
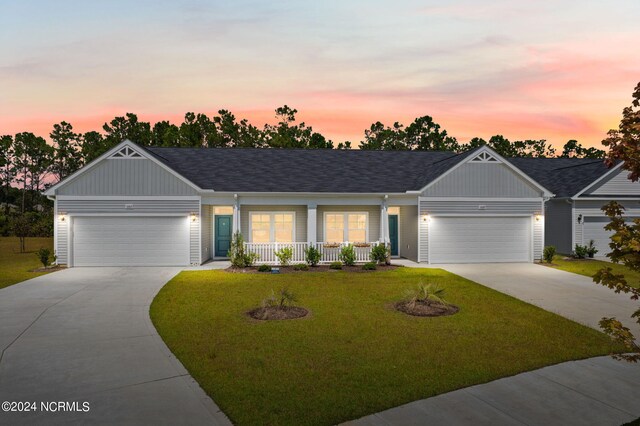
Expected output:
{"points": [[580, 252], [591, 249], [284, 255], [425, 293], [301, 267], [369, 266], [280, 301], [312, 256], [264, 268], [335, 265], [548, 253], [380, 253], [44, 255], [238, 257], [348, 255]]}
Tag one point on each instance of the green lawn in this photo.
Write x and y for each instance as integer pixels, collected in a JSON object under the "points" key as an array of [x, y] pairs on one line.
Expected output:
{"points": [[15, 266], [589, 267], [354, 355]]}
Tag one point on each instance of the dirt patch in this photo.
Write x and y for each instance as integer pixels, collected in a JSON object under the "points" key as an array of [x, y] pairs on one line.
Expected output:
{"points": [[422, 309], [271, 313], [49, 269], [319, 268]]}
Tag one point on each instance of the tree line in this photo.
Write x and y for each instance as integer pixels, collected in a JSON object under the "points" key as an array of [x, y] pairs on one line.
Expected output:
{"points": [[28, 162]]}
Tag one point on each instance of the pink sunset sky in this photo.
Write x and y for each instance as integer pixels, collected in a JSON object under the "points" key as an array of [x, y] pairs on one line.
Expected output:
{"points": [[554, 70]]}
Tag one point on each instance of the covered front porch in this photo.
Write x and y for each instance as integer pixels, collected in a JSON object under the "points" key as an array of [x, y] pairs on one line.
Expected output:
{"points": [[326, 224], [330, 252]]}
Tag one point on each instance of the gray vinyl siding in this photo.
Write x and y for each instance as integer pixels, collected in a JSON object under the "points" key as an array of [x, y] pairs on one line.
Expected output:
{"points": [[117, 207], [372, 210], [300, 219], [557, 230], [593, 208], [126, 177], [409, 232], [472, 208], [618, 184], [482, 180], [206, 236], [62, 241]]}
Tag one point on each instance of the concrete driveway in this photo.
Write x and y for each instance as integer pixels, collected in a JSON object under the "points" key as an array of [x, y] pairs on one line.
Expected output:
{"points": [[573, 296], [85, 335]]}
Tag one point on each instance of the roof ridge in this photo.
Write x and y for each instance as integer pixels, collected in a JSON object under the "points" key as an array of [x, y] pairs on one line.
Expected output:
{"points": [[578, 165]]}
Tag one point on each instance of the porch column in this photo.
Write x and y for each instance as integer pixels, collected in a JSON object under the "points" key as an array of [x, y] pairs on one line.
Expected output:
{"points": [[312, 218], [236, 215], [384, 221]]}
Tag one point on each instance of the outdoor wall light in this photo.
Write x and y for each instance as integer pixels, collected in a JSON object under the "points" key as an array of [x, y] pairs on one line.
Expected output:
{"points": [[538, 217], [194, 217], [425, 218], [62, 217], [579, 219]]}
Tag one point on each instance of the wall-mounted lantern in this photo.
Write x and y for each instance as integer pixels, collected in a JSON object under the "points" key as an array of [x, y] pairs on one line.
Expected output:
{"points": [[579, 219]]}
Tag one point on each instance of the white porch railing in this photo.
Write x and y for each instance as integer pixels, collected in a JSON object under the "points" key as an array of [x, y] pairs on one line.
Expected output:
{"points": [[330, 252]]}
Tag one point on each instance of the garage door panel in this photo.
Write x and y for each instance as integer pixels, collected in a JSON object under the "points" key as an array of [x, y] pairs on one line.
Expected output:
{"points": [[130, 241], [479, 239], [595, 231]]}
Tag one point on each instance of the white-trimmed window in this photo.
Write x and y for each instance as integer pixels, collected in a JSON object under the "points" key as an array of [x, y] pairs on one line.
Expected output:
{"points": [[269, 227], [348, 226]]}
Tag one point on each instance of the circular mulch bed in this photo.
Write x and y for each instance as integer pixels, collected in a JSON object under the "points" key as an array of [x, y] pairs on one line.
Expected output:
{"points": [[421, 309], [271, 313]]}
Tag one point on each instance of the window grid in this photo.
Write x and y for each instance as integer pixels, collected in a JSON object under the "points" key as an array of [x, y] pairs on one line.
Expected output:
{"points": [[269, 227], [346, 227]]}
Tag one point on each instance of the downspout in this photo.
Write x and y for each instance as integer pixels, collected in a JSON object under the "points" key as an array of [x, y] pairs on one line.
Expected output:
{"points": [[55, 225]]}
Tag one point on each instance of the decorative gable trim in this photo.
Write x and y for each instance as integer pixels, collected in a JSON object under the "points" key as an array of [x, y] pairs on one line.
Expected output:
{"points": [[499, 159], [133, 148], [484, 157], [128, 153]]}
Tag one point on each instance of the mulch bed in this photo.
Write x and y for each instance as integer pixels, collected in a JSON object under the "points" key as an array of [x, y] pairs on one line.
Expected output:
{"points": [[319, 268], [271, 313], [49, 269], [421, 309]]}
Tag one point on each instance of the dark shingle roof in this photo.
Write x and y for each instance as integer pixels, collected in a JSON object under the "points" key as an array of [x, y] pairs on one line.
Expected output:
{"points": [[352, 171], [565, 177], [300, 170]]}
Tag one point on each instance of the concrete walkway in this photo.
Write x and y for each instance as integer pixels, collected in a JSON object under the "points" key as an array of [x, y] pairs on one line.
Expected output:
{"points": [[573, 296], [84, 334], [597, 391]]}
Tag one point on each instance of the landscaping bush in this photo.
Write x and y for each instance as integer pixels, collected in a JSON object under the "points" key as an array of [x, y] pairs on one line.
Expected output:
{"points": [[280, 301], [370, 266], [238, 257], [425, 293], [591, 249], [580, 252], [348, 255], [301, 267], [284, 255], [335, 265], [548, 253], [312, 256], [380, 253], [264, 268], [44, 255]]}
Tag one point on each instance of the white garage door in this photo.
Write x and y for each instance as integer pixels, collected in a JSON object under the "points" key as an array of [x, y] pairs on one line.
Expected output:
{"points": [[130, 241], [479, 239], [595, 231]]}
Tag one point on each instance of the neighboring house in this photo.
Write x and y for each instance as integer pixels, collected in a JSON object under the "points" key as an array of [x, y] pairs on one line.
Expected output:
{"points": [[180, 206], [582, 187]]}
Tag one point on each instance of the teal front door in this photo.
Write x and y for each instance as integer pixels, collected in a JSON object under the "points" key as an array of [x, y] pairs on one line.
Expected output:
{"points": [[393, 234], [223, 235]]}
